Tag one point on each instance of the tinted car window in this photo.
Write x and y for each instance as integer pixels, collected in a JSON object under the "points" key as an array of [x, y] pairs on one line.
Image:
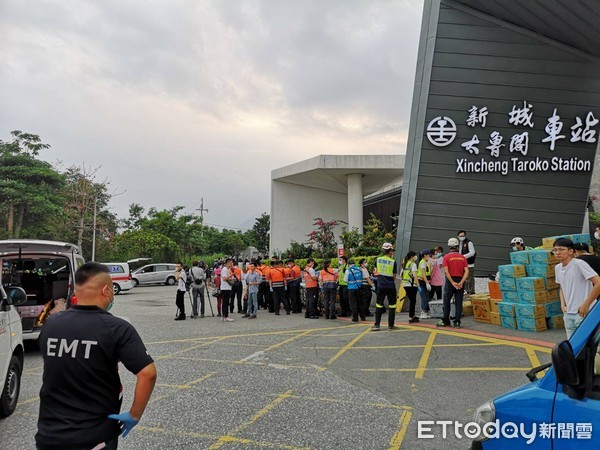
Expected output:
{"points": [[171, 267], [162, 268], [148, 269]]}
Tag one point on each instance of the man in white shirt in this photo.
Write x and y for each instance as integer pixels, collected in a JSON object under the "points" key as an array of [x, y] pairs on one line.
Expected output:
{"points": [[227, 280], [467, 249], [579, 285], [180, 276]]}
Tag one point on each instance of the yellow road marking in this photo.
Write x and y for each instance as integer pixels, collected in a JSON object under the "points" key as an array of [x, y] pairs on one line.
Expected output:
{"points": [[398, 438], [392, 347], [447, 369], [247, 363], [346, 347], [29, 400], [188, 385], [425, 356], [287, 341], [263, 412], [189, 349]]}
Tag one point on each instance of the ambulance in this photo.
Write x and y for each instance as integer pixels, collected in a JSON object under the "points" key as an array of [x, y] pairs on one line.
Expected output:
{"points": [[11, 348], [121, 276]]}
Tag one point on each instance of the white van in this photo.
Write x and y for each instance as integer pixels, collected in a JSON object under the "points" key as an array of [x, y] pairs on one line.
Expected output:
{"points": [[11, 348], [45, 270], [162, 273], [121, 276]]}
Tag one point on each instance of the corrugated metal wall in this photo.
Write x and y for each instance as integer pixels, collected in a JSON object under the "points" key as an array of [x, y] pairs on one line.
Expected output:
{"points": [[480, 63]]}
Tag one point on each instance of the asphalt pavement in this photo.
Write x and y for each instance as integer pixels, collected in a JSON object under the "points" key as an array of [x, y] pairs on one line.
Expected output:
{"points": [[285, 382]]}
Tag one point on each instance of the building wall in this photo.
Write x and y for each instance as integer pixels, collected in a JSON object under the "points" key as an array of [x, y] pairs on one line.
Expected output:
{"points": [[468, 59], [384, 206], [294, 208]]}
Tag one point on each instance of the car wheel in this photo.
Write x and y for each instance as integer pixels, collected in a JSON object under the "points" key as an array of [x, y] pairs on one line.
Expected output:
{"points": [[134, 282], [116, 288], [11, 388], [171, 281]]}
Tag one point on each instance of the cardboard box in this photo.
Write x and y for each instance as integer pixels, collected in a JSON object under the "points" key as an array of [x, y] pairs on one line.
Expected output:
{"points": [[534, 324], [507, 284], [530, 311], [436, 309], [479, 297], [551, 283], [555, 322], [467, 308], [536, 297], [530, 284], [494, 306], [548, 242], [553, 295], [519, 257], [507, 309], [481, 309], [512, 270], [494, 288], [542, 257], [553, 309], [495, 319], [539, 270], [583, 238], [510, 296], [508, 322]]}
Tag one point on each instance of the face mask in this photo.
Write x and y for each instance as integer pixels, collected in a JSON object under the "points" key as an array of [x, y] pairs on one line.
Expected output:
{"points": [[462, 238], [111, 304], [515, 248], [597, 235], [438, 255]]}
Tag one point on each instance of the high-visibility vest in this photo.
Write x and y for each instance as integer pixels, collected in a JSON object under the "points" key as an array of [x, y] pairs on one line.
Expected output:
{"points": [[277, 277], [385, 266], [327, 277], [427, 268], [407, 272], [308, 280]]}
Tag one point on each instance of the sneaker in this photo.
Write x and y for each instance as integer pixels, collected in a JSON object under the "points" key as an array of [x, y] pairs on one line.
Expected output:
{"points": [[253, 316], [354, 320], [228, 319], [392, 327], [441, 323], [413, 320], [218, 315], [181, 317], [246, 315], [314, 317], [375, 328], [425, 315], [456, 324], [287, 313]]}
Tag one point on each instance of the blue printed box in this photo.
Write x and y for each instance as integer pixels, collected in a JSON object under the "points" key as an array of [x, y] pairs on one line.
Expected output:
{"points": [[507, 284], [542, 257], [510, 296], [530, 311], [534, 324], [508, 322], [506, 309], [531, 284], [533, 297], [540, 270], [583, 238], [520, 257], [512, 270], [553, 309]]}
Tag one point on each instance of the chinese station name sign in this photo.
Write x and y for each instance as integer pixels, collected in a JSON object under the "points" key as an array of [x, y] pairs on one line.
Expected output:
{"points": [[442, 130]]}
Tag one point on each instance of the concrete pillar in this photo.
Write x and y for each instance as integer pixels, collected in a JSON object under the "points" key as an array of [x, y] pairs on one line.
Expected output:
{"points": [[355, 202]]}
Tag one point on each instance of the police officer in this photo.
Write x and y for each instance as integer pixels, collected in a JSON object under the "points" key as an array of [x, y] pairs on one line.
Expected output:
{"points": [[81, 391], [387, 270]]}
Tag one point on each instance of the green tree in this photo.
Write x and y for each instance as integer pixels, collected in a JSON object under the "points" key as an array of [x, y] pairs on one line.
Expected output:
{"points": [[351, 240], [29, 188], [260, 233], [298, 250], [322, 238], [144, 244]]}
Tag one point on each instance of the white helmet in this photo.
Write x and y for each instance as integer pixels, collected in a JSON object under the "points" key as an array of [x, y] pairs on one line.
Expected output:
{"points": [[517, 240], [452, 242], [387, 246]]}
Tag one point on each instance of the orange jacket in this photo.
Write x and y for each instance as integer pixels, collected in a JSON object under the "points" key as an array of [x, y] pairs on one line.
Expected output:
{"points": [[308, 280]]}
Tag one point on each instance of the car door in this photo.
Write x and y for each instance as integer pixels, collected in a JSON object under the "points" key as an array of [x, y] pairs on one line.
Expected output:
{"points": [[161, 273], [5, 350], [145, 275], [577, 419]]}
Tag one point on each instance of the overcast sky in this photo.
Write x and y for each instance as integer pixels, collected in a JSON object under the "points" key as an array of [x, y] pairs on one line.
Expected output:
{"points": [[178, 100]]}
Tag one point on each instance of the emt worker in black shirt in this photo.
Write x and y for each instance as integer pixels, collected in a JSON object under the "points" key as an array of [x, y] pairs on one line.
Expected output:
{"points": [[81, 393]]}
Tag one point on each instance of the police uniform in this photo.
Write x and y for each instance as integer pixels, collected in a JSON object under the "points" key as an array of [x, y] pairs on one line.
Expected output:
{"points": [[386, 288], [81, 348]]}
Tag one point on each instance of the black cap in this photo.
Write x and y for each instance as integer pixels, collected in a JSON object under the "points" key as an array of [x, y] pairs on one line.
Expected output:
{"points": [[581, 247]]}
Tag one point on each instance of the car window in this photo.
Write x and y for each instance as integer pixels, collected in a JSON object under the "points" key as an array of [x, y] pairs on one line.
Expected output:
{"points": [[148, 269], [116, 269], [171, 267], [162, 268]]}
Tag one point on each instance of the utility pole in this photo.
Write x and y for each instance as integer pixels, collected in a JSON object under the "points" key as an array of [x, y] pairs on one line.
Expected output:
{"points": [[94, 232], [202, 211]]}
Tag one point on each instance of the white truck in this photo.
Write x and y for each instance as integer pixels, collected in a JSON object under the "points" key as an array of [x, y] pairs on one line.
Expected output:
{"points": [[11, 348]]}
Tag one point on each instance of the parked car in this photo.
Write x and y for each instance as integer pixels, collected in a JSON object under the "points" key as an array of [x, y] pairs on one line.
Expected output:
{"points": [[121, 276], [162, 273], [11, 348], [567, 397], [46, 272]]}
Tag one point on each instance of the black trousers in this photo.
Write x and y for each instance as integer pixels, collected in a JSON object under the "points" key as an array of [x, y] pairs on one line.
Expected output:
{"points": [[411, 293], [110, 445], [294, 294], [227, 297], [366, 294], [436, 291], [357, 304], [311, 302], [279, 296], [236, 291], [344, 305], [180, 302], [390, 295]]}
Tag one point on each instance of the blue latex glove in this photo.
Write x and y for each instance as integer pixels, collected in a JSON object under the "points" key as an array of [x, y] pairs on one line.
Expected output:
{"points": [[271, 289], [373, 288], [127, 422]]}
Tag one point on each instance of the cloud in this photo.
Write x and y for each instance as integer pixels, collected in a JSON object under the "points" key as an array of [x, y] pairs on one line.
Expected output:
{"points": [[181, 100]]}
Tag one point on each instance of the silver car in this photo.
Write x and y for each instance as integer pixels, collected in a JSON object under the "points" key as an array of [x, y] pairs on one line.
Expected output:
{"points": [[161, 273]]}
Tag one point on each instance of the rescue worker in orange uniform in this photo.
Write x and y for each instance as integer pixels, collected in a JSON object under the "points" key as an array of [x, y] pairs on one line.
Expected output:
{"points": [[264, 294], [278, 287], [293, 283], [312, 290]]}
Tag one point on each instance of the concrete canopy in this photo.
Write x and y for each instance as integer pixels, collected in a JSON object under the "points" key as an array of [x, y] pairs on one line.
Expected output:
{"points": [[329, 187]]}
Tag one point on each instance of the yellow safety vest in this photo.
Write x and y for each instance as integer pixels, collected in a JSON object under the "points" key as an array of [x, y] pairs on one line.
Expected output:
{"points": [[385, 266], [427, 268], [407, 273]]}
